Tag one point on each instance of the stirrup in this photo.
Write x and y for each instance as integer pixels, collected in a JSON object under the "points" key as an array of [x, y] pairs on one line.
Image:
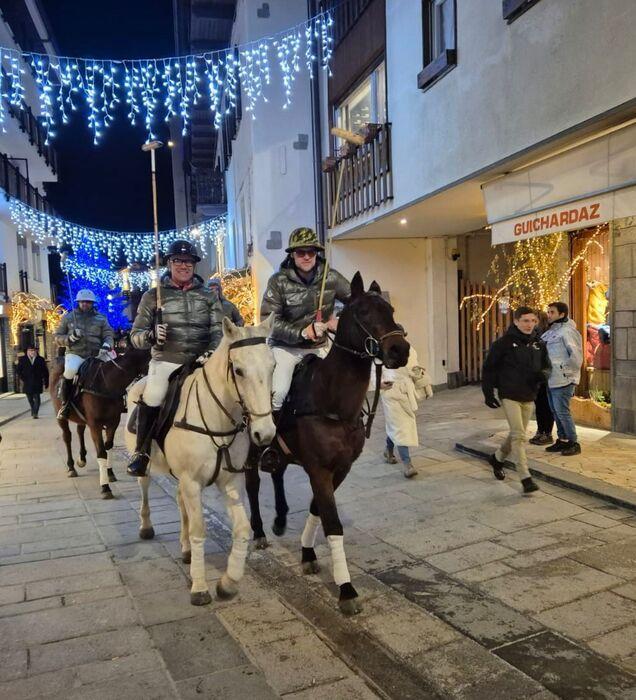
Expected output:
{"points": [[270, 460], [138, 466]]}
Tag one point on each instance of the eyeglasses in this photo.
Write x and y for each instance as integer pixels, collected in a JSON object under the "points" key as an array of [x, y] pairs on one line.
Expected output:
{"points": [[184, 262], [305, 252]]}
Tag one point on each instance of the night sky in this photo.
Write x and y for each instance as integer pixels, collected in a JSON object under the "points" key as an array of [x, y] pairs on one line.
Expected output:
{"points": [[108, 186]]}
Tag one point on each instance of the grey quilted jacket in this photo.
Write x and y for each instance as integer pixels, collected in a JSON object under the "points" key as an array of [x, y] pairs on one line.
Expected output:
{"points": [[193, 317], [294, 302], [95, 332]]}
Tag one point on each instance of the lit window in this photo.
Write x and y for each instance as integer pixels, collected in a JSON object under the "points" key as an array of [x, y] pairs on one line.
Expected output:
{"points": [[439, 40], [365, 105]]}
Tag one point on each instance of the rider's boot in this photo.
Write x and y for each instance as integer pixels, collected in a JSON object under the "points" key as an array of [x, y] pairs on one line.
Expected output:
{"points": [[146, 419], [65, 398], [271, 458]]}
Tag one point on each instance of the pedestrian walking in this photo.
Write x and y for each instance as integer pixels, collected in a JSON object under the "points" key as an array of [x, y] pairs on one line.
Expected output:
{"points": [[34, 375], [230, 310], [401, 389], [516, 366], [543, 412], [565, 348]]}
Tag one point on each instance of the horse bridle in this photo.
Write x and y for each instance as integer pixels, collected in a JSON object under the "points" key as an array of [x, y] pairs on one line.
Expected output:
{"points": [[372, 345]]}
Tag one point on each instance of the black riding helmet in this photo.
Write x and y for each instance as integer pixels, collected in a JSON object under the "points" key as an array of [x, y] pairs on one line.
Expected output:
{"points": [[182, 248]]}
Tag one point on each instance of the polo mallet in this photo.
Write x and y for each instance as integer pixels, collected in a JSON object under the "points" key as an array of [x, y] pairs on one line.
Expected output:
{"points": [[64, 253], [152, 146], [357, 140]]}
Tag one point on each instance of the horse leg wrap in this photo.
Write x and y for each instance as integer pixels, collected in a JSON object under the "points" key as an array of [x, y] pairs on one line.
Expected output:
{"points": [[308, 538], [339, 560], [240, 533], [236, 560], [103, 470], [197, 564]]}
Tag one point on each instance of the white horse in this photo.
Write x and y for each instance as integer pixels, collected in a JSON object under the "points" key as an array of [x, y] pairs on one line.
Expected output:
{"points": [[219, 404]]}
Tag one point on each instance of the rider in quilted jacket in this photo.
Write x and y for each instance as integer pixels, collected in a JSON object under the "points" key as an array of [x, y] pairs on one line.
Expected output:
{"points": [[190, 326]]}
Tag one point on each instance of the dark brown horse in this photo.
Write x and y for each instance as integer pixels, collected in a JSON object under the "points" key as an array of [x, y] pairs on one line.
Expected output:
{"points": [[326, 444], [100, 409]]}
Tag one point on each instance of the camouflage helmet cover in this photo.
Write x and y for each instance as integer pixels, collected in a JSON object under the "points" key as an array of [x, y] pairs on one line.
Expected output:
{"points": [[303, 237]]}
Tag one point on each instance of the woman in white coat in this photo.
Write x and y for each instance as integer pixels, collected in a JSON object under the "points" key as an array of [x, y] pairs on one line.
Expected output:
{"points": [[401, 390]]}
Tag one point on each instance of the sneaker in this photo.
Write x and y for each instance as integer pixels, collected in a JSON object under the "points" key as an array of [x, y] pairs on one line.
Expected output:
{"points": [[409, 470], [558, 446], [541, 439], [529, 485], [571, 449], [389, 457], [497, 467]]}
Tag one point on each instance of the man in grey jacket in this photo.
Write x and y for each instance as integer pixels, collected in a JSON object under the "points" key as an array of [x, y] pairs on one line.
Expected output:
{"points": [[229, 309], [190, 326], [84, 333], [565, 349]]}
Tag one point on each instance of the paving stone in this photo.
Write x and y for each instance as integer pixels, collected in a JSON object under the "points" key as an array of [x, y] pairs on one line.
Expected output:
{"points": [[350, 688], [595, 519], [138, 551], [13, 664], [559, 550], [153, 684], [52, 625], [68, 566], [11, 594], [152, 575], [486, 620], [618, 559], [483, 573], [614, 512], [527, 513], [548, 585], [525, 540], [590, 617], [232, 684], [618, 644], [568, 670], [167, 605], [628, 590], [57, 684], [469, 556], [615, 534], [30, 606], [71, 584], [132, 664], [377, 557], [46, 545], [196, 647], [464, 669]]}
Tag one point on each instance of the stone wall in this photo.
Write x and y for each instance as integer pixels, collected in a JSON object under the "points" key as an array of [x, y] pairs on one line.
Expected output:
{"points": [[623, 321]]}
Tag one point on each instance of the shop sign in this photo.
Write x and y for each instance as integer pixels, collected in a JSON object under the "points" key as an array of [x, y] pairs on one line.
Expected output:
{"points": [[569, 217]]}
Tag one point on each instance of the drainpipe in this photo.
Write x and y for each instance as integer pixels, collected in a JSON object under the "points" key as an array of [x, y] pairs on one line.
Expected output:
{"points": [[312, 9]]}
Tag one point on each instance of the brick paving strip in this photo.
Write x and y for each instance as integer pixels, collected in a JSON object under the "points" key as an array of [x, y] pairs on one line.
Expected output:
{"points": [[469, 590]]}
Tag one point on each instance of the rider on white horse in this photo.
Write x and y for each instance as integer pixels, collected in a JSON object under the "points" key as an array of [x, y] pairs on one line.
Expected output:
{"points": [[84, 333], [191, 326]]}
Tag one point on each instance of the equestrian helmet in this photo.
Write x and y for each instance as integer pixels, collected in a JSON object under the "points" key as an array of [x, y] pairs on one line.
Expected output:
{"points": [[303, 237], [85, 295], [182, 248]]}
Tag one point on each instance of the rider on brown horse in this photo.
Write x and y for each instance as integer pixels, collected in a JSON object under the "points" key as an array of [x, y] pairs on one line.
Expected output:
{"points": [[190, 326], [84, 333]]}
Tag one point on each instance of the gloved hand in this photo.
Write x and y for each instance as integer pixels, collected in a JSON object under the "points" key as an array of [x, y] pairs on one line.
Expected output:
{"points": [[204, 357], [104, 354], [314, 331], [492, 402], [320, 329], [160, 333], [75, 335]]}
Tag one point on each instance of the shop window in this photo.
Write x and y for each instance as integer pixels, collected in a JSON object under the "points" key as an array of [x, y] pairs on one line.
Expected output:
{"points": [[37, 263], [366, 104], [512, 9], [439, 40]]}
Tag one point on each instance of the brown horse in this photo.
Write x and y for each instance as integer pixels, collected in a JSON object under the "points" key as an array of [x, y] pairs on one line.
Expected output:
{"points": [[327, 442], [100, 409]]}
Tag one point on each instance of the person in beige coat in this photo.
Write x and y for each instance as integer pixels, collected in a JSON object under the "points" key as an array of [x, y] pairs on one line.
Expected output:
{"points": [[401, 389]]}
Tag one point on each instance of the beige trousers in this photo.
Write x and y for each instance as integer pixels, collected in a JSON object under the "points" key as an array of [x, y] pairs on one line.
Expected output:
{"points": [[518, 415]]}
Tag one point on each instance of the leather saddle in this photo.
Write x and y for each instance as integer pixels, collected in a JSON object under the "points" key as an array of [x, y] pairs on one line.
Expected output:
{"points": [[300, 399], [169, 406]]}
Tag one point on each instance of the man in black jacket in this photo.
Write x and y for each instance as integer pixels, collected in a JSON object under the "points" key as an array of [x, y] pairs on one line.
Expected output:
{"points": [[516, 365], [34, 375]]}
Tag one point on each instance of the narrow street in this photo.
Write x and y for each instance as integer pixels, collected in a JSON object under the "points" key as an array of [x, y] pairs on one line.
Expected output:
{"points": [[470, 590]]}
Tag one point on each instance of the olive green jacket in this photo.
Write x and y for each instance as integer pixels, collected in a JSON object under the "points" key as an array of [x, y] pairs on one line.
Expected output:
{"points": [[95, 332], [193, 317], [294, 302]]}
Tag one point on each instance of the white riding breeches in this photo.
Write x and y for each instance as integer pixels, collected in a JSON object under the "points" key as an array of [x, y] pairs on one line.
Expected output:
{"points": [[286, 359], [156, 387], [71, 364]]}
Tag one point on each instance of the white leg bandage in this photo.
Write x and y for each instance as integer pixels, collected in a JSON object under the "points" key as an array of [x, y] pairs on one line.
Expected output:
{"points": [[240, 532], [197, 565], [103, 471], [339, 560], [308, 538], [236, 560]]}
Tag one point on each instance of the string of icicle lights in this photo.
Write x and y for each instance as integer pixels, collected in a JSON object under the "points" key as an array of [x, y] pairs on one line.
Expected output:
{"points": [[126, 279], [133, 247], [160, 89]]}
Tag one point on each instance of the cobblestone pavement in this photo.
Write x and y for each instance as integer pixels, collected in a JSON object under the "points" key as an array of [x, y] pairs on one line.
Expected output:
{"points": [[470, 590]]}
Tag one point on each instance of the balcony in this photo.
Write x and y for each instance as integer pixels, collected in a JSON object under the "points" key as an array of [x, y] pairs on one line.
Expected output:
{"points": [[14, 184], [16, 14], [345, 15], [30, 125], [367, 179], [208, 188]]}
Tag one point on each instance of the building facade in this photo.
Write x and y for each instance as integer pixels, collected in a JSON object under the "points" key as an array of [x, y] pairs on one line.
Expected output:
{"points": [[26, 164]]}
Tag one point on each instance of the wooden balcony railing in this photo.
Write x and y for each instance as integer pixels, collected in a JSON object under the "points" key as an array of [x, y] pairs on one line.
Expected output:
{"points": [[14, 184], [35, 132], [367, 180]]}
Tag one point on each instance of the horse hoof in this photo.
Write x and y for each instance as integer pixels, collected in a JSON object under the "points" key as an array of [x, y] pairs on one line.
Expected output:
{"points": [[200, 598], [226, 589], [350, 606], [107, 494], [147, 533], [261, 543], [81, 463], [111, 476], [279, 529], [186, 557], [71, 473], [311, 567]]}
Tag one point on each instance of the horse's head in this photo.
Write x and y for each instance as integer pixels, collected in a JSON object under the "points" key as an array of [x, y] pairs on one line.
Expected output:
{"points": [[134, 360], [367, 325], [251, 362]]}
